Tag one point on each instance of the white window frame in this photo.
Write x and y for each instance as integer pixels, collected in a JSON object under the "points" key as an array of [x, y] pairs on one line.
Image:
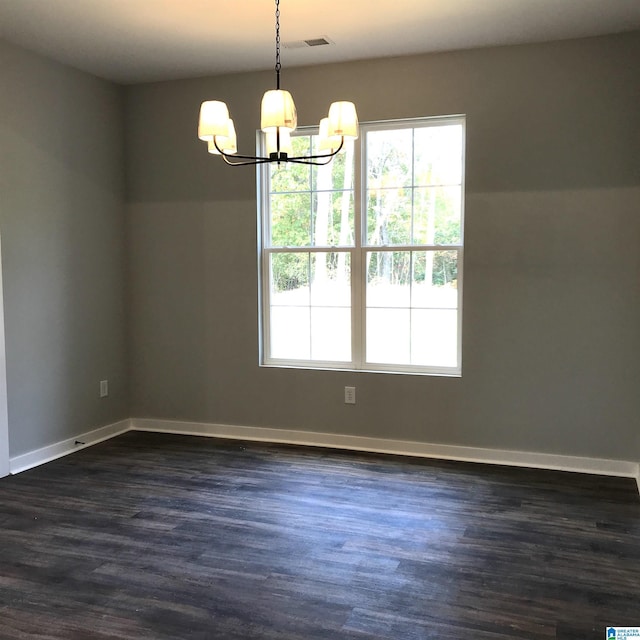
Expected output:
{"points": [[357, 253]]}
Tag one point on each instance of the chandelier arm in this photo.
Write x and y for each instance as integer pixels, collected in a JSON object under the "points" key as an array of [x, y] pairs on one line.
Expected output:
{"points": [[236, 155], [303, 158], [254, 160], [260, 160], [250, 161], [226, 156], [320, 156], [308, 161]]}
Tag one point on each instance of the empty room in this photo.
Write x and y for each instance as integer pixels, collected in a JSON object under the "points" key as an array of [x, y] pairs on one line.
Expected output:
{"points": [[319, 320]]}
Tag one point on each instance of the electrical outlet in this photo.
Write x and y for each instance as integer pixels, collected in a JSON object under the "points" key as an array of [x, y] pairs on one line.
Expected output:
{"points": [[104, 388], [349, 395]]}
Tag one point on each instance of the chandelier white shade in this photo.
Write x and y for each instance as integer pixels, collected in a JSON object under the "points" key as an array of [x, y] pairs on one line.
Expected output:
{"points": [[226, 141], [343, 120], [278, 139], [214, 120], [278, 120], [278, 112], [327, 142]]}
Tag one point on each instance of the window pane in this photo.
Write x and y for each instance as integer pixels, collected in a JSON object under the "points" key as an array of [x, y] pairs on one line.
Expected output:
{"points": [[289, 176], [331, 333], [289, 279], [331, 280], [388, 336], [289, 312], [336, 175], [412, 302], [434, 337], [310, 311], [388, 279], [437, 215], [289, 329], [438, 155], [389, 158], [389, 216], [333, 219], [331, 306], [445, 269], [434, 281], [291, 220]]}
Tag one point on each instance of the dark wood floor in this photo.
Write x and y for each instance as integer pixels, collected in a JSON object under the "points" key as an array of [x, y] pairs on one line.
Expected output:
{"points": [[153, 536]]}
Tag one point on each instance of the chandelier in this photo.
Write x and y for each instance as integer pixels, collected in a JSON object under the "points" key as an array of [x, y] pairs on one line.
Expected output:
{"points": [[278, 120]]}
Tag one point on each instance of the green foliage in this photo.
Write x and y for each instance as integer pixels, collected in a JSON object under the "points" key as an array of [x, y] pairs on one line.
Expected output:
{"points": [[405, 267], [289, 271], [291, 220]]}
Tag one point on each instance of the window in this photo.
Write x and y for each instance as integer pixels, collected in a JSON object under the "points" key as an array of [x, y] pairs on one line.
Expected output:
{"points": [[361, 259]]}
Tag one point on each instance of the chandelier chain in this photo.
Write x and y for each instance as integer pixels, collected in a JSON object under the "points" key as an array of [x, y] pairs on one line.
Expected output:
{"points": [[278, 65]]}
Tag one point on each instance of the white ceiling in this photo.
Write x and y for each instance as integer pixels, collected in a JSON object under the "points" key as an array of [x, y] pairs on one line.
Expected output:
{"points": [[144, 40]]}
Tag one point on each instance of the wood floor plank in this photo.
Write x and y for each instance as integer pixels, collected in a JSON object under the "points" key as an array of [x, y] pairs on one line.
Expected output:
{"points": [[158, 537]]}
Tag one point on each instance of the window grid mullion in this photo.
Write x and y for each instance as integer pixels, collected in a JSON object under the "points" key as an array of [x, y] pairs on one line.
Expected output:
{"points": [[309, 277], [411, 257], [413, 185], [308, 249], [360, 290]]}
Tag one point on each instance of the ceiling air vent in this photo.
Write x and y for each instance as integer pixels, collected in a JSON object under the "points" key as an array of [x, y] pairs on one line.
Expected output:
{"points": [[311, 42]]}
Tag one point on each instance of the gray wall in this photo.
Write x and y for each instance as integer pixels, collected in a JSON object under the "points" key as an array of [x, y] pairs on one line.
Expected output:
{"points": [[63, 249], [551, 306], [552, 275]]}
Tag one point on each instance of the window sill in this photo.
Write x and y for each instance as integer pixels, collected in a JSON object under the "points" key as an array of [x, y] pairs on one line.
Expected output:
{"points": [[454, 373]]}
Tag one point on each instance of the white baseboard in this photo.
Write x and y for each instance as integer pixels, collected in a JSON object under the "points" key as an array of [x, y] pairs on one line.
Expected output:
{"points": [[65, 447], [598, 466]]}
